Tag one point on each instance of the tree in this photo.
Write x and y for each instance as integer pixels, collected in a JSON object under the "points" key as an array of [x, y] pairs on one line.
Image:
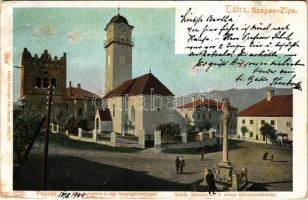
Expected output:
{"points": [[268, 131], [206, 126], [244, 130], [168, 131], [26, 127]]}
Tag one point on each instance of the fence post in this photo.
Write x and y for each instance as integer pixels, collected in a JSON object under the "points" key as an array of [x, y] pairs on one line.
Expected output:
{"points": [[141, 140], [113, 139], [157, 139], [79, 133], [94, 135], [184, 137], [57, 128]]}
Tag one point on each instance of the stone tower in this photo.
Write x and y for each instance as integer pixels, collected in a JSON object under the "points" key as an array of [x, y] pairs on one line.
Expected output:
{"points": [[118, 45], [36, 74]]}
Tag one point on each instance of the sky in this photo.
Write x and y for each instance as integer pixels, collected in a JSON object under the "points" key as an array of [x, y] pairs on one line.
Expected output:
{"points": [[80, 33]]}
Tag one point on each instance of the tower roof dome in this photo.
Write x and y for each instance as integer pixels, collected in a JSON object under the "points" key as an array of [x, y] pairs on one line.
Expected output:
{"points": [[119, 19]]}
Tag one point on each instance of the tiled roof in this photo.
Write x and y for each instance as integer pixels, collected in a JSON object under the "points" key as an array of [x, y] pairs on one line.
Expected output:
{"points": [[207, 103], [140, 85], [104, 115], [78, 93], [278, 106]]}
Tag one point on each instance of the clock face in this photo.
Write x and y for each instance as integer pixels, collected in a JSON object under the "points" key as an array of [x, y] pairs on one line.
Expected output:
{"points": [[122, 27]]}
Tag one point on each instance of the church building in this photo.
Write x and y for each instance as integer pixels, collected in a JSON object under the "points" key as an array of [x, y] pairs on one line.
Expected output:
{"points": [[137, 105]]}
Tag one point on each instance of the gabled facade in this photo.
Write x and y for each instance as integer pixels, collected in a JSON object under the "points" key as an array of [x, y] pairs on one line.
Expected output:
{"points": [[274, 110]]}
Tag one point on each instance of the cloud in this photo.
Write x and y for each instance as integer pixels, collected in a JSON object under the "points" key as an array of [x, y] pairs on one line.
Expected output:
{"points": [[73, 36], [43, 31], [28, 24]]}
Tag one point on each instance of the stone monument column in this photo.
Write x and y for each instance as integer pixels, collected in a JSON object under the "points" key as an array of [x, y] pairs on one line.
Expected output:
{"points": [[225, 167], [226, 113]]}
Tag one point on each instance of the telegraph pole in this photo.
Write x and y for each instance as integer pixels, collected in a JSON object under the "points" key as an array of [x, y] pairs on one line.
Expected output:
{"points": [[49, 102]]}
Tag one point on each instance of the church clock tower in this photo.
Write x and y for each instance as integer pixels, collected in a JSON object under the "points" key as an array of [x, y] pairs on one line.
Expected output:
{"points": [[118, 45]]}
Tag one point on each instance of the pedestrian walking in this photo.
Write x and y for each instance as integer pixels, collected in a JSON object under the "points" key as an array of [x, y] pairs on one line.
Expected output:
{"points": [[210, 182], [265, 155], [202, 155], [182, 164], [272, 157], [177, 164]]}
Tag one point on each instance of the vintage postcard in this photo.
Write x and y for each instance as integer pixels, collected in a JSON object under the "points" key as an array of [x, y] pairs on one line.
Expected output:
{"points": [[153, 100]]}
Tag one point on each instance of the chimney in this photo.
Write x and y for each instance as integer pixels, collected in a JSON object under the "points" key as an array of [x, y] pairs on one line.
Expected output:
{"points": [[70, 88], [270, 95], [78, 86]]}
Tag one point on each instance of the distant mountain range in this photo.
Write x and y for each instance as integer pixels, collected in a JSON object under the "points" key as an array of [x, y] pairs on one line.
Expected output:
{"points": [[239, 98]]}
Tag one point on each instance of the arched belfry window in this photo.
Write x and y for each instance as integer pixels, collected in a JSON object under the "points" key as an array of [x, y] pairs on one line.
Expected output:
{"points": [[38, 82], [45, 82], [54, 82]]}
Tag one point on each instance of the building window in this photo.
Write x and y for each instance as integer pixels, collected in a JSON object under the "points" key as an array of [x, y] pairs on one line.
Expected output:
{"points": [[113, 110], [262, 122], [38, 82], [272, 122], [257, 137], [122, 59], [133, 114], [251, 134], [243, 121], [45, 82], [79, 111], [198, 116], [251, 121], [288, 124], [54, 82]]}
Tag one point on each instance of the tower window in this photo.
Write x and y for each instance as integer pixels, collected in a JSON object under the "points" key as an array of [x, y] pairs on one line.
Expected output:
{"points": [[54, 82], [45, 82], [108, 60], [38, 82]]}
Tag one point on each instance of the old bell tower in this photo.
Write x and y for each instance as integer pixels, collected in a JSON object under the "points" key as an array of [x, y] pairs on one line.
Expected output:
{"points": [[118, 45]]}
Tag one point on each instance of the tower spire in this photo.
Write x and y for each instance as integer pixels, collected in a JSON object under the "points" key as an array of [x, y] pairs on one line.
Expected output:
{"points": [[118, 9]]}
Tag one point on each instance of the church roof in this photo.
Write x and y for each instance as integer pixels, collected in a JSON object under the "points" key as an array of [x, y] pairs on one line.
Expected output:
{"points": [[278, 106], [207, 103], [78, 93], [140, 85], [104, 115]]}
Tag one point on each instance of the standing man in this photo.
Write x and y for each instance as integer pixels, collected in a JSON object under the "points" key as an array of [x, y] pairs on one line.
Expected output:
{"points": [[177, 164], [210, 182], [202, 155], [265, 155], [182, 164]]}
